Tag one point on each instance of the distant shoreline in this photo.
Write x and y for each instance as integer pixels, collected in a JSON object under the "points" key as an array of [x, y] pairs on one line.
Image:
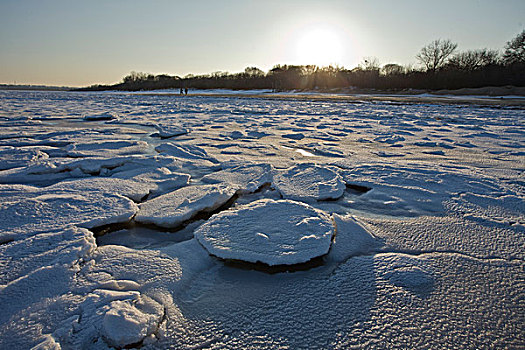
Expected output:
{"points": [[508, 96], [419, 99], [35, 87]]}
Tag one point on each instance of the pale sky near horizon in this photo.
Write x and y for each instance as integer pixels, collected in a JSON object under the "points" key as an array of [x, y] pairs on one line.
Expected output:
{"points": [[79, 43]]}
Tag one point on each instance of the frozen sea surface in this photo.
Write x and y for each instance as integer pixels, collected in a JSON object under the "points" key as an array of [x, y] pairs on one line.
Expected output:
{"points": [[387, 224]]}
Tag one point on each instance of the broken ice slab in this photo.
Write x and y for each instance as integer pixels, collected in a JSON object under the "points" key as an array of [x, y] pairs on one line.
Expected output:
{"points": [[175, 208]]}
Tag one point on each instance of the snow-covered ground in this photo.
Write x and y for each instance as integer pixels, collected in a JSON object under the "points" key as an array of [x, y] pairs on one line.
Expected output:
{"points": [[214, 222]]}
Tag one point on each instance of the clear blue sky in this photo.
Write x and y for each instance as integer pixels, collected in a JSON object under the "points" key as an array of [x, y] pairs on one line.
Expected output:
{"points": [[78, 43]]}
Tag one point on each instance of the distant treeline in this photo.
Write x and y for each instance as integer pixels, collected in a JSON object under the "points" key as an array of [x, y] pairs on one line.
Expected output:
{"points": [[34, 87], [442, 67]]}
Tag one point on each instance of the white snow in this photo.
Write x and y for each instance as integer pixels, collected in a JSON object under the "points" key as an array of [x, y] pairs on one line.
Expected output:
{"points": [[12, 157], [174, 208], [352, 239], [430, 226], [128, 188], [309, 182], [184, 151], [272, 232], [246, 178], [24, 213], [121, 147], [167, 131], [161, 179], [127, 322]]}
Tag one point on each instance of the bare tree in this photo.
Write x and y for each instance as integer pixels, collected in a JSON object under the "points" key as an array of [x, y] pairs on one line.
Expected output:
{"points": [[370, 64], [219, 74], [473, 59], [434, 56], [136, 76], [515, 50]]}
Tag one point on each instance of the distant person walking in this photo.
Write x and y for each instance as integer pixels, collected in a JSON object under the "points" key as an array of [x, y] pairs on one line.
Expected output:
{"points": [[185, 91], [181, 92]]}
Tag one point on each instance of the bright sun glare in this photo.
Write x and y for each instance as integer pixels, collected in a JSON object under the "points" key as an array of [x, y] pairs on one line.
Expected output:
{"points": [[320, 46]]}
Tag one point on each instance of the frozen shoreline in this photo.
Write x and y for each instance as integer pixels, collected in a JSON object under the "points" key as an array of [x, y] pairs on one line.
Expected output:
{"points": [[409, 211], [426, 98]]}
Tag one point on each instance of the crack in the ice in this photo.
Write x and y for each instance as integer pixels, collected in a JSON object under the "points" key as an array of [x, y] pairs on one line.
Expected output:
{"points": [[452, 252], [429, 252], [163, 319], [204, 215], [357, 189], [6, 241], [418, 253]]}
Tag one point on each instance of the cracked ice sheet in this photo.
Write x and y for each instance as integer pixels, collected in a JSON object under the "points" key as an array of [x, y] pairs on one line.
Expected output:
{"points": [[12, 157], [38, 283], [371, 291], [136, 188], [129, 295], [469, 193], [26, 210], [50, 171], [450, 233]]}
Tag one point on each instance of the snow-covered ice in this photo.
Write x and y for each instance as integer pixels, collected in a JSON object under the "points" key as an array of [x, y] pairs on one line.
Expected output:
{"points": [[168, 131], [245, 178], [309, 182], [100, 116], [174, 208], [267, 231], [26, 211], [115, 206]]}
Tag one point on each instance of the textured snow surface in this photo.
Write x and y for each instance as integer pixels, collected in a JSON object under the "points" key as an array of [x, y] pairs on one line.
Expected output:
{"points": [[272, 232], [27, 211], [114, 208], [309, 182], [174, 208], [246, 178], [167, 131]]}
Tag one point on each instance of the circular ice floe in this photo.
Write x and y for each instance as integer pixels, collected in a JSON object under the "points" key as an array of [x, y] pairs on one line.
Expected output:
{"points": [[309, 182], [272, 232]]}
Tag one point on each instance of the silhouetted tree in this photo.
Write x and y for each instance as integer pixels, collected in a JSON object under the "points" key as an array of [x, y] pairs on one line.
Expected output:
{"points": [[434, 56], [370, 64], [443, 70], [392, 69], [135, 77], [219, 74], [253, 72], [515, 50], [473, 59], [288, 77]]}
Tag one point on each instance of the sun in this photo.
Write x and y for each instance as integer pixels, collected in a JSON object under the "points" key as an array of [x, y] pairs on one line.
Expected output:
{"points": [[319, 45]]}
